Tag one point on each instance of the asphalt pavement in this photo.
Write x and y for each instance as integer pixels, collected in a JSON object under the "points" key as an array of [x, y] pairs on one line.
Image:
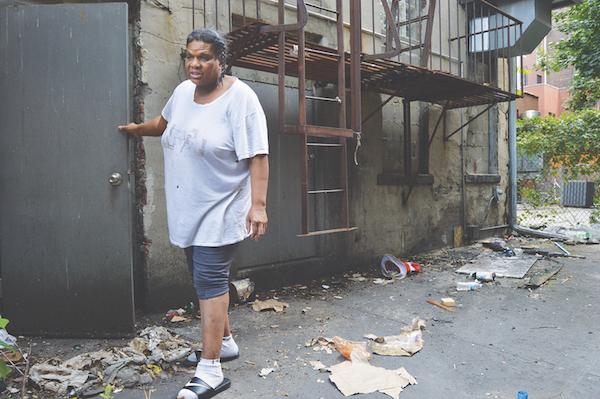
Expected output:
{"points": [[504, 337]]}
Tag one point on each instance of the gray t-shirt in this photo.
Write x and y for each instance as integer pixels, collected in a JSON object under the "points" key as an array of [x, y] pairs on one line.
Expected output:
{"points": [[206, 150]]}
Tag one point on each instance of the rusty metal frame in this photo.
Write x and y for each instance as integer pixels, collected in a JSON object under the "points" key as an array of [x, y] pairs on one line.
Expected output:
{"points": [[393, 29], [267, 47], [469, 121]]}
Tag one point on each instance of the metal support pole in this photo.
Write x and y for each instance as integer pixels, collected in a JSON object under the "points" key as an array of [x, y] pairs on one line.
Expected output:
{"points": [[342, 114], [407, 140], [281, 68], [302, 122], [355, 59]]}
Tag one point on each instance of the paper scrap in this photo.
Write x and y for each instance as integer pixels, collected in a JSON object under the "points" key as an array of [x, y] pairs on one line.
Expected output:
{"points": [[269, 304], [381, 281], [361, 377], [317, 365], [266, 371], [407, 343]]}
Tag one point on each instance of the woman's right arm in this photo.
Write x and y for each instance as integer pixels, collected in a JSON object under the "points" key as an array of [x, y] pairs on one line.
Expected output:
{"points": [[154, 127]]}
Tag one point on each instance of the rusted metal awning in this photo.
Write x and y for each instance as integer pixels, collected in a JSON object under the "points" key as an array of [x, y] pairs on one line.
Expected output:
{"points": [[253, 46]]}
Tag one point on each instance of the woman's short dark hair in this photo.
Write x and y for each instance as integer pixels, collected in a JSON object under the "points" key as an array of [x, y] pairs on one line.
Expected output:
{"points": [[216, 40]]}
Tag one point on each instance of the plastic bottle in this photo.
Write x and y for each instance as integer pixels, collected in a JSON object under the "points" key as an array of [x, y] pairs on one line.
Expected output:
{"points": [[485, 276], [191, 308], [468, 285]]}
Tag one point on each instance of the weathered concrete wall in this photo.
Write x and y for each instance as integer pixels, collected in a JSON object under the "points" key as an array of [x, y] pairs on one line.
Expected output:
{"points": [[384, 224]]}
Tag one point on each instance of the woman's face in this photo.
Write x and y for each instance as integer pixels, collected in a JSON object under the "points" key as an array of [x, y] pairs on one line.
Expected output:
{"points": [[201, 64]]}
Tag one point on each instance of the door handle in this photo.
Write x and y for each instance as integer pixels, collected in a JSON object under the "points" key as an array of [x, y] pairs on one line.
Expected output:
{"points": [[115, 179]]}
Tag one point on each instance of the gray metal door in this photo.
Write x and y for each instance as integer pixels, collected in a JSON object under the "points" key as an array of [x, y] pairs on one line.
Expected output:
{"points": [[65, 231]]}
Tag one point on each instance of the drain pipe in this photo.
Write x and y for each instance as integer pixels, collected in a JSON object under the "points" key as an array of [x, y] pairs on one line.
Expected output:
{"points": [[463, 170]]}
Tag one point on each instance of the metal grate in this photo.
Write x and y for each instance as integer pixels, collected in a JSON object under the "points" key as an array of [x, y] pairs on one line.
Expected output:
{"points": [[579, 193]]}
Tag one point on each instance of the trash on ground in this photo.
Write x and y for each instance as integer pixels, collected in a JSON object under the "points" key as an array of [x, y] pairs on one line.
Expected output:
{"points": [[240, 291], [269, 304], [407, 343], [537, 280], [6, 337], [393, 267], [448, 302], [266, 371], [358, 376], [562, 248], [484, 276], [12, 356], [327, 344], [494, 244], [357, 277], [567, 279], [468, 285], [350, 349], [382, 281], [431, 301], [181, 314], [317, 365], [503, 266], [155, 347], [583, 234]]}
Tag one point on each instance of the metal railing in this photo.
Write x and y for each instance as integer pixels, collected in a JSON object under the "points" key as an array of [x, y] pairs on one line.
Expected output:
{"points": [[471, 39]]}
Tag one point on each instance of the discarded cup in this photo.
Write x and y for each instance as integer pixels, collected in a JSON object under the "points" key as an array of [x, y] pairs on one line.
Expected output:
{"points": [[522, 395], [392, 267], [485, 276], [468, 286]]}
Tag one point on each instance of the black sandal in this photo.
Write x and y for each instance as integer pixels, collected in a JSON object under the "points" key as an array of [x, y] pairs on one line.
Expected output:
{"points": [[186, 363], [204, 391]]}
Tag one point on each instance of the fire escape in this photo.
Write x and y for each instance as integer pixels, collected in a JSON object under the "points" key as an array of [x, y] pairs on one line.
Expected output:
{"points": [[472, 41]]}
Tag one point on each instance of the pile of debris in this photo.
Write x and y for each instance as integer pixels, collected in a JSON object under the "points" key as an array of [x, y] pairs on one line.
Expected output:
{"points": [[142, 360]]}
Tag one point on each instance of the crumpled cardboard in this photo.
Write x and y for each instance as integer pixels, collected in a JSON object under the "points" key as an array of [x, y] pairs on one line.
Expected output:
{"points": [[358, 376], [407, 343], [269, 304], [154, 345]]}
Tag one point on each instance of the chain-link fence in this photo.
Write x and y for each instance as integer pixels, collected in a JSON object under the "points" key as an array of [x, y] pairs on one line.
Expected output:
{"points": [[555, 200]]}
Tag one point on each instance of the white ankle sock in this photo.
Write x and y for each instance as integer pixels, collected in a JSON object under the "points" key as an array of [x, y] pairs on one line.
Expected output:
{"points": [[229, 347], [209, 371]]}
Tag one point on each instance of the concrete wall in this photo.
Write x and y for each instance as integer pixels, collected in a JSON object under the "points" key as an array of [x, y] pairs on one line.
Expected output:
{"points": [[385, 225]]}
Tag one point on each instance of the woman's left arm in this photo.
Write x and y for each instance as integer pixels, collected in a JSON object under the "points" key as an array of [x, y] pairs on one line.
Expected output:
{"points": [[259, 181]]}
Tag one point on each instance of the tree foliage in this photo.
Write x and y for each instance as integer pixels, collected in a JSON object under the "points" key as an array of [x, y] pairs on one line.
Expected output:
{"points": [[571, 141], [580, 50]]}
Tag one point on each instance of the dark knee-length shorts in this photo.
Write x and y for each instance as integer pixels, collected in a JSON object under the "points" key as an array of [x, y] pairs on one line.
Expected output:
{"points": [[209, 267]]}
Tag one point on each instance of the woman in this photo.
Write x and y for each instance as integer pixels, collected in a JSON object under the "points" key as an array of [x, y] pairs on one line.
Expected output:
{"points": [[214, 138]]}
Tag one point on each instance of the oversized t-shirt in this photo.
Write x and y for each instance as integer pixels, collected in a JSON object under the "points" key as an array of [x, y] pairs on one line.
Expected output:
{"points": [[206, 150]]}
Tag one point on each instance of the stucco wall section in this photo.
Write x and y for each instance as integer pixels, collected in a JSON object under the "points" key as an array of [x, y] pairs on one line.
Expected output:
{"points": [[384, 224]]}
